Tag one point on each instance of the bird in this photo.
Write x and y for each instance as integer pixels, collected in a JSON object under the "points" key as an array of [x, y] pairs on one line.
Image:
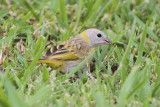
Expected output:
{"points": [[68, 54]]}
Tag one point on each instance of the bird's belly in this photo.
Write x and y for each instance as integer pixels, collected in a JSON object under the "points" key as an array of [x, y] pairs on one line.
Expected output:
{"points": [[70, 65]]}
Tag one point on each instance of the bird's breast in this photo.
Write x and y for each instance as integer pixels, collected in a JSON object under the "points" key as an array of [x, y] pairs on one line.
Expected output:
{"points": [[70, 65]]}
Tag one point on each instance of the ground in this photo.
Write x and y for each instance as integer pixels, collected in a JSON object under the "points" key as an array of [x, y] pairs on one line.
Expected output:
{"points": [[125, 74]]}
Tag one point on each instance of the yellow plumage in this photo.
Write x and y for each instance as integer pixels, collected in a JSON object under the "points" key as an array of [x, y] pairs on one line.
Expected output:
{"points": [[67, 55]]}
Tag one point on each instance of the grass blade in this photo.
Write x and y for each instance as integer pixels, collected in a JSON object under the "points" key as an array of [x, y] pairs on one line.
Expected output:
{"points": [[12, 94], [40, 94], [31, 9], [29, 71], [123, 61], [11, 35], [142, 43], [126, 87], [79, 9], [149, 31], [63, 12]]}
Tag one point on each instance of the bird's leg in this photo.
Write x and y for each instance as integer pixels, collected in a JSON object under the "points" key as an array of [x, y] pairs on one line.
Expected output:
{"points": [[88, 72]]}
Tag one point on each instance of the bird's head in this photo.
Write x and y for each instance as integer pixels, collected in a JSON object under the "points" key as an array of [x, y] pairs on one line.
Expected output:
{"points": [[96, 37]]}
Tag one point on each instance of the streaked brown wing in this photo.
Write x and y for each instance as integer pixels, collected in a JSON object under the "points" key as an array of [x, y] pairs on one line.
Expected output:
{"points": [[73, 49]]}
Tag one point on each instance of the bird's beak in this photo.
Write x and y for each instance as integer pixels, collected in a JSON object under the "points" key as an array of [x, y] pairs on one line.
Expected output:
{"points": [[107, 41]]}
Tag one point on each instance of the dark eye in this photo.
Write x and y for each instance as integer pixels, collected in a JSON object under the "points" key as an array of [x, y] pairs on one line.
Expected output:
{"points": [[99, 35]]}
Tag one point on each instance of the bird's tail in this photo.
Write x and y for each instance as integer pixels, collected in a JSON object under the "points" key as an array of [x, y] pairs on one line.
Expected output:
{"points": [[42, 61], [30, 60], [52, 63], [46, 61]]}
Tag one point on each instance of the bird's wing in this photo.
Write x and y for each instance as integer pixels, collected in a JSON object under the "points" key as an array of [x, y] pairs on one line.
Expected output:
{"points": [[73, 49]]}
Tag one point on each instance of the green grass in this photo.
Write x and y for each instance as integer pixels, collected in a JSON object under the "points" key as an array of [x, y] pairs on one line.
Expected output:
{"points": [[126, 73]]}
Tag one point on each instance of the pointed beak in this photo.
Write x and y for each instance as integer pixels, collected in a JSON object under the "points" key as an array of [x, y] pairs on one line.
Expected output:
{"points": [[107, 41]]}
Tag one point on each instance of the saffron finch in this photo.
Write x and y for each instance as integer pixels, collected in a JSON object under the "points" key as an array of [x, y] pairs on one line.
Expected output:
{"points": [[67, 55]]}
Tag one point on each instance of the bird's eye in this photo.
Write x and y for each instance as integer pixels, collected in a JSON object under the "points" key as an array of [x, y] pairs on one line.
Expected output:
{"points": [[99, 35]]}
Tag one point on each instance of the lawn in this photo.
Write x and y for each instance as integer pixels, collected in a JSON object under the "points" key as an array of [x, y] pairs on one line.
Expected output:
{"points": [[126, 73]]}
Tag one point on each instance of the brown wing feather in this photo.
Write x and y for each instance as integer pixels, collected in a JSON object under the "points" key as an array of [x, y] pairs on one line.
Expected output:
{"points": [[73, 49]]}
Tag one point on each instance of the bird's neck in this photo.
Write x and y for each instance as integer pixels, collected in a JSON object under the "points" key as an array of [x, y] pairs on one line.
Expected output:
{"points": [[84, 36]]}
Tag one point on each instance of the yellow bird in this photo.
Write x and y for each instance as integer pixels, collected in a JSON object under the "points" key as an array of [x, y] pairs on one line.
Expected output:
{"points": [[67, 55]]}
